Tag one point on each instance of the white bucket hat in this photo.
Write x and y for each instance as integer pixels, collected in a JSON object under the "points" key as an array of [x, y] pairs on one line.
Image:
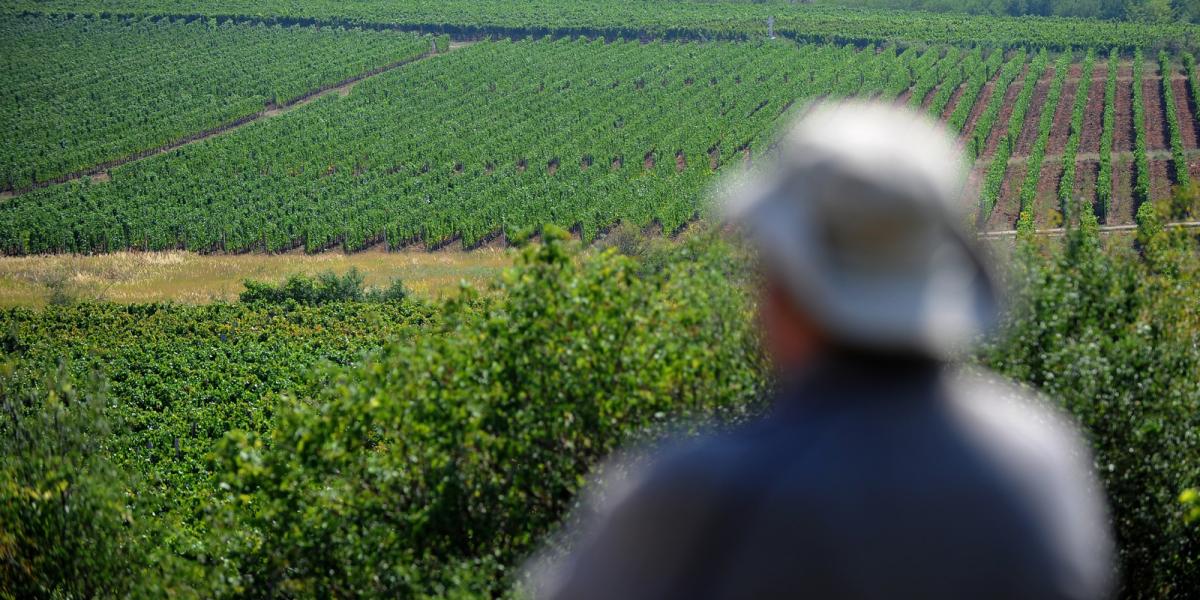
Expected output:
{"points": [[858, 212]]}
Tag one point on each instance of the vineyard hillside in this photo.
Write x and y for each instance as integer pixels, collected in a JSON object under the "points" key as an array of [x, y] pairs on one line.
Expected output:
{"points": [[499, 138]]}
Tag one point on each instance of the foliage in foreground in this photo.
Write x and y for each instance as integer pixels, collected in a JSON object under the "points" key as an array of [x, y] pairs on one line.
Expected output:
{"points": [[436, 464]]}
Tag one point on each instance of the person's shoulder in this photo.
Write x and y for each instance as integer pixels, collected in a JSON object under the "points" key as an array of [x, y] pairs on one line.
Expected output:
{"points": [[1018, 426]]}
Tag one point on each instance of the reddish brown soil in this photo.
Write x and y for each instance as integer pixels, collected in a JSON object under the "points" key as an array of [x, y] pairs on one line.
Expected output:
{"points": [[617, 163], [1001, 125], [1160, 179], [1123, 132], [953, 103], [680, 162], [648, 161], [714, 156], [1093, 117], [1046, 210], [902, 99], [1122, 202], [1029, 129], [925, 102], [980, 103], [1008, 207], [1188, 126], [1061, 128], [1156, 123], [552, 166], [1194, 168], [1076, 71], [1085, 183]]}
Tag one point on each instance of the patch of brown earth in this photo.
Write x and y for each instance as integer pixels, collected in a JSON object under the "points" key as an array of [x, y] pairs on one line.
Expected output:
{"points": [[925, 102], [552, 166], [648, 160], [1093, 117], [617, 162], [904, 96], [1008, 208], [1189, 128], [1046, 211], [980, 103], [1060, 130], [953, 103], [1000, 127], [1161, 173], [1085, 184], [1156, 124], [680, 162], [1123, 124], [1033, 116], [1122, 201]]}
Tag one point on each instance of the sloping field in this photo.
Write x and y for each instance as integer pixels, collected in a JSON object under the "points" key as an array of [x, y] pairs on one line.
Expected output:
{"points": [[80, 92], [497, 139]]}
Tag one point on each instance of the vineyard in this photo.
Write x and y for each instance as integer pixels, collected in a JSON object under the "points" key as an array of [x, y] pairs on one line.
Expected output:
{"points": [[323, 437], [175, 79], [497, 139]]}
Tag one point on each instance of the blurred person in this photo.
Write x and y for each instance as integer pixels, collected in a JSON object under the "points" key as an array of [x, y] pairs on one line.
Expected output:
{"points": [[882, 471]]}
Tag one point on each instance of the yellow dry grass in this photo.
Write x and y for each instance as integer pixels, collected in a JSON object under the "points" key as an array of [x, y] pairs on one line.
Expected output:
{"points": [[133, 277]]}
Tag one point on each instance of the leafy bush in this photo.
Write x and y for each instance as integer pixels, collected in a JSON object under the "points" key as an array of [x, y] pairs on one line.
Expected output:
{"points": [[456, 453], [70, 524], [1116, 339], [326, 287]]}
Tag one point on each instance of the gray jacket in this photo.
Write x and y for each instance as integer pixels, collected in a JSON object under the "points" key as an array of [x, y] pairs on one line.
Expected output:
{"points": [[869, 480]]}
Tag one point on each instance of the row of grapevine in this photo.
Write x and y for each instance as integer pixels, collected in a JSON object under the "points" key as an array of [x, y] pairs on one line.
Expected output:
{"points": [[1066, 184], [928, 74], [116, 88], [496, 138], [994, 179], [977, 143], [1033, 164], [1104, 184], [1141, 163], [976, 82], [1178, 158], [1193, 77], [953, 80], [659, 19]]}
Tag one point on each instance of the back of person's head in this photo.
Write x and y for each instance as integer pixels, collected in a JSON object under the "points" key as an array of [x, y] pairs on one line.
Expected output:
{"points": [[858, 215]]}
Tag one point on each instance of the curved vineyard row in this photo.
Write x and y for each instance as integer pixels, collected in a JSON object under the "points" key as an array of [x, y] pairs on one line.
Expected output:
{"points": [[495, 138], [116, 88], [1141, 163], [657, 20], [1178, 158], [1066, 184], [1104, 183]]}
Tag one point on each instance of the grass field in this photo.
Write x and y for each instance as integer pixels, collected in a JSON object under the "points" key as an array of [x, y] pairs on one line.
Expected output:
{"points": [[139, 277]]}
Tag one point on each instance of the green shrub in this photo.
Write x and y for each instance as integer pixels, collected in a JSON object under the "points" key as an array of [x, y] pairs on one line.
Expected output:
{"points": [[325, 288], [1116, 340], [458, 452], [71, 525]]}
